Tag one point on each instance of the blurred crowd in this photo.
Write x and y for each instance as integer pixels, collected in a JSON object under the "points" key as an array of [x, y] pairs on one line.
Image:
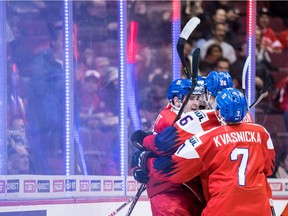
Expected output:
{"points": [[36, 79]]}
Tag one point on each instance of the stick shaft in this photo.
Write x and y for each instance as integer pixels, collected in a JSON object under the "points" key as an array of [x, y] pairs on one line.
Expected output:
{"points": [[195, 65], [137, 196]]}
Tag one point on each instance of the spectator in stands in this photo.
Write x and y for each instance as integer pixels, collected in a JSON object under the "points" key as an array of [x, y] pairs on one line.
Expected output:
{"points": [[269, 38], [96, 117], [45, 100], [219, 34], [218, 16], [283, 36], [15, 100], [281, 170], [281, 99], [18, 160], [214, 52], [262, 54], [109, 92], [89, 100], [85, 62], [30, 7], [237, 67], [146, 62], [94, 24], [88, 118], [140, 15], [102, 65], [225, 12], [157, 91], [191, 9], [18, 123], [109, 96], [263, 63], [92, 19], [227, 16], [158, 36], [223, 64], [153, 98], [17, 132], [233, 25], [212, 6], [204, 68]]}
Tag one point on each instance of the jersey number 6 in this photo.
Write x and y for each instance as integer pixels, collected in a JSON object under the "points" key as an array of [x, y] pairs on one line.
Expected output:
{"points": [[185, 120]]}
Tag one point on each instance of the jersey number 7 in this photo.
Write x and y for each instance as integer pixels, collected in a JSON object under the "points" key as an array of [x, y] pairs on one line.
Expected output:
{"points": [[243, 163]]}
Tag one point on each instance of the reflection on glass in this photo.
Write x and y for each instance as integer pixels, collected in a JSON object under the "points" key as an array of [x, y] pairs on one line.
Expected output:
{"points": [[97, 101], [36, 85]]}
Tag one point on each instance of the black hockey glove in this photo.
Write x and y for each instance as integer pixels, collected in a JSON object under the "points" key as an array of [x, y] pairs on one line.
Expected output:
{"points": [[140, 176], [137, 139], [139, 165]]}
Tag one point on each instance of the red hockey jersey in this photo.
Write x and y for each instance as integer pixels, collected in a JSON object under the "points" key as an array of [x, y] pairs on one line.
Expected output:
{"points": [[168, 198], [190, 124], [164, 119], [233, 161]]}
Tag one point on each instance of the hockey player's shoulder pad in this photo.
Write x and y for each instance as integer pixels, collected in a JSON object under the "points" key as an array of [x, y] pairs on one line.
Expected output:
{"points": [[167, 141]]}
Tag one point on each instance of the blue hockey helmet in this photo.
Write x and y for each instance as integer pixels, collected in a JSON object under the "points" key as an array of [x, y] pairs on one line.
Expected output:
{"points": [[232, 105], [217, 81], [225, 80], [179, 88], [200, 86]]}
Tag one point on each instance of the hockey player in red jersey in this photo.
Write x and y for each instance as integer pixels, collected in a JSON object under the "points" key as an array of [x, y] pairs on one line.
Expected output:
{"points": [[233, 161], [171, 137], [167, 198], [176, 95]]}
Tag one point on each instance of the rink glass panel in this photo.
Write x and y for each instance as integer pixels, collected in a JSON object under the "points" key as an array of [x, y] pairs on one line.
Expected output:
{"points": [[37, 98], [37, 107]]}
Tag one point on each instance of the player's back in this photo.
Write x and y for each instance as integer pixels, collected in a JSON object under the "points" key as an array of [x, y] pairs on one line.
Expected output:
{"points": [[238, 159]]}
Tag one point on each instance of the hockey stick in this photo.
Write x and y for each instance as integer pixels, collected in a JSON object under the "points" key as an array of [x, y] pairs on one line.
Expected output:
{"points": [[122, 206], [244, 72], [137, 196], [273, 213], [263, 91], [195, 66], [139, 192], [185, 33]]}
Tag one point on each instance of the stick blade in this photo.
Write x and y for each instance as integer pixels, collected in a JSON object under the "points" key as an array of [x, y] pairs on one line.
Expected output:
{"points": [[189, 27], [180, 48]]}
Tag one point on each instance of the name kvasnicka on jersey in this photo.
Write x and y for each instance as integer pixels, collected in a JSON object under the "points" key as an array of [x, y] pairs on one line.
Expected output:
{"points": [[241, 136]]}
